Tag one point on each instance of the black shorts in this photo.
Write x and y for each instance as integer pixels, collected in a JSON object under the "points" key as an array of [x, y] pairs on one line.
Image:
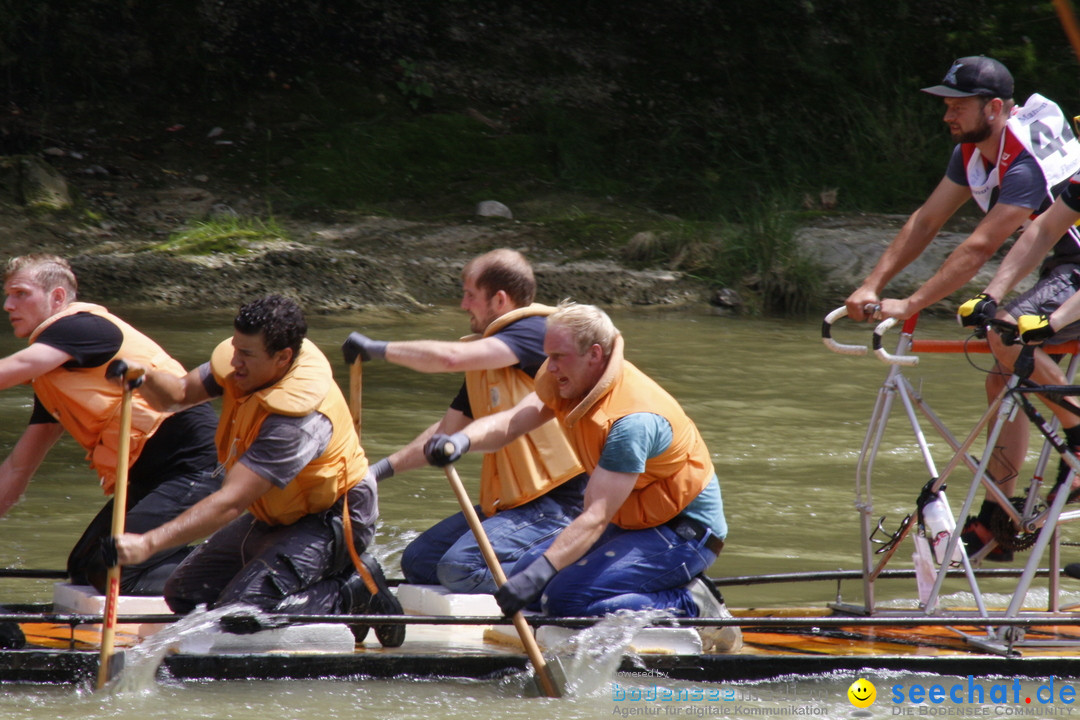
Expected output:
{"points": [[1058, 285]]}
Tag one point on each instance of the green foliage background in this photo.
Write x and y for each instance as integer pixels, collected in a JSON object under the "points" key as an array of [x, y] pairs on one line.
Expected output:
{"points": [[698, 106], [716, 111]]}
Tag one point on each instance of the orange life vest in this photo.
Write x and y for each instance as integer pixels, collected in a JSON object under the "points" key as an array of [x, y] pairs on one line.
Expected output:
{"points": [[673, 478], [307, 387], [88, 406], [534, 463]]}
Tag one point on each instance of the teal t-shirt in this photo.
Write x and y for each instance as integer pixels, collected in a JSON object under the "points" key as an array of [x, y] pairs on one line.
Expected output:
{"points": [[639, 436]]}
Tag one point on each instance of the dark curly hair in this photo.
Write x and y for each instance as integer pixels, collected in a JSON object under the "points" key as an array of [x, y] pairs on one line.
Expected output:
{"points": [[278, 318]]}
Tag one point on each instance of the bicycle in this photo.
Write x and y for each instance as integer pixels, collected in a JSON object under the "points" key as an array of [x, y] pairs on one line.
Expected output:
{"points": [[1023, 518]]}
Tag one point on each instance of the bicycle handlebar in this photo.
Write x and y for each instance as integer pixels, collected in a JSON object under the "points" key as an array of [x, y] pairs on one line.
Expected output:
{"points": [[826, 335], [1071, 347], [884, 355], [846, 349]]}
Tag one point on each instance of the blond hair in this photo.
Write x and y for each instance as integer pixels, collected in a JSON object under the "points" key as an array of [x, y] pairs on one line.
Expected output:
{"points": [[588, 326], [44, 270]]}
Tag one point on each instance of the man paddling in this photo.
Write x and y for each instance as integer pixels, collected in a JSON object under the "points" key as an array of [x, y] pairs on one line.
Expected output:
{"points": [[530, 489], [71, 343], [1013, 161], [293, 462], [653, 520]]}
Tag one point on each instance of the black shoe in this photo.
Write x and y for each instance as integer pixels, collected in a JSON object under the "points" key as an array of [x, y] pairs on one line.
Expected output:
{"points": [[354, 601], [1072, 570], [358, 600], [245, 623], [1062, 476], [11, 636], [973, 543]]}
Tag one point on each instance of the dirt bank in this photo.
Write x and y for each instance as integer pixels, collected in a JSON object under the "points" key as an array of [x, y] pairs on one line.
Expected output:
{"points": [[347, 262], [369, 261], [350, 261]]}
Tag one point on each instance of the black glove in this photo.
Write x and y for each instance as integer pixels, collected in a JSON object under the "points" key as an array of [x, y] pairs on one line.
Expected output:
{"points": [[439, 455], [381, 470], [357, 345], [118, 369], [108, 551], [1034, 329], [977, 312], [524, 587]]}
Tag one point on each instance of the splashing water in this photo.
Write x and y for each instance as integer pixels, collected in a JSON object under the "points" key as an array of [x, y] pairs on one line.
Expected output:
{"points": [[196, 630], [590, 658]]}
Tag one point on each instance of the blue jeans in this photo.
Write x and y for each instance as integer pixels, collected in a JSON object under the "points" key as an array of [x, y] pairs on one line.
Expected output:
{"points": [[447, 553], [627, 570]]}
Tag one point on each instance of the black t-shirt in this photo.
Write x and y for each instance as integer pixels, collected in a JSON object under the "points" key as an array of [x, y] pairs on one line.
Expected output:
{"points": [[525, 338], [184, 442]]}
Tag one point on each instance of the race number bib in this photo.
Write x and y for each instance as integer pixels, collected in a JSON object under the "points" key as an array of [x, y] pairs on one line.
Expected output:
{"points": [[1044, 131], [1038, 127]]}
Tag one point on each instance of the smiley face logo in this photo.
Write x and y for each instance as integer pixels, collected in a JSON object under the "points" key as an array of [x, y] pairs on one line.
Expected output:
{"points": [[862, 693]]}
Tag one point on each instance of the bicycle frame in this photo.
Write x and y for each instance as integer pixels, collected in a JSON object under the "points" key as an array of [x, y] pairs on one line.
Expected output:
{"points": [[1029, 519]]}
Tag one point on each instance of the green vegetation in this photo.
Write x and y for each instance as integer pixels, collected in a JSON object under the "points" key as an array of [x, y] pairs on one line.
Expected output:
{"points": [[764, 251], [440, 160], [220, 235], [722, 115]]}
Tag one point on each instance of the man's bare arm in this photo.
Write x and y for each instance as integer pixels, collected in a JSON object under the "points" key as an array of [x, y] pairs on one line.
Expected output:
{"points": [[490, 433], [604, 495], [1031, 248], [240, 489], [30, 362], [439, 356], [963, 263], [25, 458], [919, 230], [171, 393]]}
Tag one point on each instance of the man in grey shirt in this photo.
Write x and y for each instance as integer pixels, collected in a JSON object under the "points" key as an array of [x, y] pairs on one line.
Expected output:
{"points": [[293, 461]]}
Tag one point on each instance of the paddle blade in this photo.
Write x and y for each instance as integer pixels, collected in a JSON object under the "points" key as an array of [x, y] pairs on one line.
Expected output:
{"points": [[115, 667], [553, 667]]}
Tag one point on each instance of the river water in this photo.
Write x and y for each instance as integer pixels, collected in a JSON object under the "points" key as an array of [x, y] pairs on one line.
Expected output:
{"points": [[783, 417]]}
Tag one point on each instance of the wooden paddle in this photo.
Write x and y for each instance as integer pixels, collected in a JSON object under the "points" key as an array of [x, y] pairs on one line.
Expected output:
{"points": [[356, 392], [117, 368], [356, 387], [1068, 24], [548, 685]]}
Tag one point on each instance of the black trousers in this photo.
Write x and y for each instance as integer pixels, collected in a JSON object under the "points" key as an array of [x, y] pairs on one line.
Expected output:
{"points": [[149, 505], [295, 568]]}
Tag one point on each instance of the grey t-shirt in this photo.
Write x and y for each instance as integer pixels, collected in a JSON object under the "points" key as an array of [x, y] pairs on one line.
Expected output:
{"points": [[285, 444]]}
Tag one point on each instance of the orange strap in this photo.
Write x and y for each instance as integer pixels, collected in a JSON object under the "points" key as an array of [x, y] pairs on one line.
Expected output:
{"points": [[346, 523]]}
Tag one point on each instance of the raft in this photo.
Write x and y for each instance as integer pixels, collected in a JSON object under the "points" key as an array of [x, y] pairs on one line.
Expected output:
{"points": [[461, 636]]}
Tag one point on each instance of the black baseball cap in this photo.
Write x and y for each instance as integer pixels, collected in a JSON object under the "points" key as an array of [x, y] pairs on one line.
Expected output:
{"points": [[975, 75]]}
